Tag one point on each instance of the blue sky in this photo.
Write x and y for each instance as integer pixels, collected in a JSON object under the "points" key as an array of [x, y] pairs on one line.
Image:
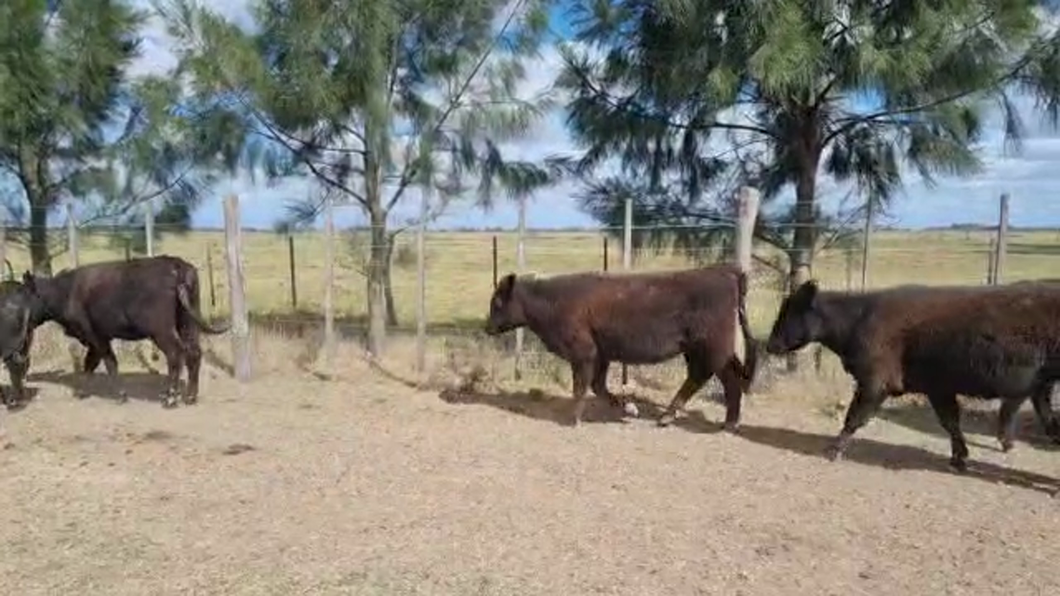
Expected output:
{"points": [[1029, 177]]}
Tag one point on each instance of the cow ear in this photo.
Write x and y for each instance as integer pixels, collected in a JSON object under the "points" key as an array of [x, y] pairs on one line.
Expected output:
{"points": [[506, 285], [807, 293]]}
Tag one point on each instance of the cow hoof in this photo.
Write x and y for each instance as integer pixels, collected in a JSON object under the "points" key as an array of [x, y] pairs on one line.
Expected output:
{"points": [[731, 427], [169, 402], [665, 420], [190, 400], [631, 409], [1006, 446], [959, 465], [123, 397], [833, 453]]}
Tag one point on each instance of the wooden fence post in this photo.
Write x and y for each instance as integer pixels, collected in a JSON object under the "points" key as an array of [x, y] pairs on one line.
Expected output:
{"points": [[866, 240], [329, 281], [991, 254], [746, 213], [209, 274], [71, 235], [149, 229], [421, 277], [236, 288], [627, 261], [520, 266], [494, 261], [294, 277], [1002, 239], [74, 347]]}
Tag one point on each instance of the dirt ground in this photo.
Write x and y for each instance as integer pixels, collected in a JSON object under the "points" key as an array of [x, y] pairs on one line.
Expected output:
{"points": [[295, 485]]}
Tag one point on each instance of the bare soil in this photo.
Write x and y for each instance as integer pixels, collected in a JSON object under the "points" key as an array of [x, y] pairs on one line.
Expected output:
{"points": [[293, 485]]}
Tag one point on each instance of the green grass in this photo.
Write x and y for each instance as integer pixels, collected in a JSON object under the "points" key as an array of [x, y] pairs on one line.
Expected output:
{"points": [[460, 267]]}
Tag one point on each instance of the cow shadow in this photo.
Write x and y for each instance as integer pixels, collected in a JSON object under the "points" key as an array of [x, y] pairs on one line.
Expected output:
{"points": [[922, 419], [144, 386], [559, 409], [894, 457]]}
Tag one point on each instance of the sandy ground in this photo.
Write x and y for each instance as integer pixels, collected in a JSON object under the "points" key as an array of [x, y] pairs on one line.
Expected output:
{"points": [[300, 486]]}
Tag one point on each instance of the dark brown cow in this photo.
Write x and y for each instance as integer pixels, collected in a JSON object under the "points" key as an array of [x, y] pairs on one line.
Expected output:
{"points": [[153, 298], [593, 319], [988, 342], [20, 313]]}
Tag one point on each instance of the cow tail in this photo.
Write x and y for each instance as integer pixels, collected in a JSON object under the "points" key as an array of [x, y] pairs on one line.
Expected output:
{"points": [[750, 344], [189, 307]]}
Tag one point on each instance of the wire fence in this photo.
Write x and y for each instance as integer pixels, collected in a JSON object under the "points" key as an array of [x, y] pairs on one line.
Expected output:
{"points": [[285, 274]]}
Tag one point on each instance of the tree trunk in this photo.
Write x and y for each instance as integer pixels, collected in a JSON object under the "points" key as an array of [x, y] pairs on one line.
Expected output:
{"points": [[39, 252], [377, 272], [388, 285], [805, 239]]}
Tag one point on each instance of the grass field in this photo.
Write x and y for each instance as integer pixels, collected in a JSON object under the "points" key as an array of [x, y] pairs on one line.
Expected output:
{"points": [[460, 267], [374, 479]]}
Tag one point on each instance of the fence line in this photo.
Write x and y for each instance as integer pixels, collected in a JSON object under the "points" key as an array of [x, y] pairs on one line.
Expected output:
{"points": [[443, 279]]}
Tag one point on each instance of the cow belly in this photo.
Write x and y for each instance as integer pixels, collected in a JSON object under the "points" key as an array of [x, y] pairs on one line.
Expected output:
{"points": [[639, 346]]}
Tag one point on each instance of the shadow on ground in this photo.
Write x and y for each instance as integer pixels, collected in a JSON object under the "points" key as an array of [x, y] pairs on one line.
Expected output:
{"points": [[136, 385], [895, 457], [538, 405], [921, 418], [557, 409]]}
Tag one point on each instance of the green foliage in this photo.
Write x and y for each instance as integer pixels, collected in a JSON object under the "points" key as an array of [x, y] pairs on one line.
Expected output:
{"points": [[366, 97], [661, 86], [65, 91]]}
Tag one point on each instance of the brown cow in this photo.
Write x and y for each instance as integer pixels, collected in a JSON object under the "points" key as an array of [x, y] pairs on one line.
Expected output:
{"points": [[987, 342], [156, 298], [593, 319]]}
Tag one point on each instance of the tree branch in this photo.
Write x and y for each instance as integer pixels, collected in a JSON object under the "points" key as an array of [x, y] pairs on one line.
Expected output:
{"points": [[309, 164], [852, 121], [454, 101], [642, 113]]}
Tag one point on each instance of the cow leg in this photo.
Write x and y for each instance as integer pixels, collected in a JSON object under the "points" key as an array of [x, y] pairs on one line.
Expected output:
{"points": [[599, 386], [864, 405], [9, 401], [949, 414], [1006, 421], [193, 361], [698, 373], [581, 375], [110, 362], [89, 366], [172, 347], [1042, 400], [92, 360], [731, 381], [17, 365]]}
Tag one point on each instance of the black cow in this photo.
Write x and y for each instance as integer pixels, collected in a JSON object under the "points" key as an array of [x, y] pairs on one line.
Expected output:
{"points": [[988, 342], [153, 298], [20, 313], [593, 319]]}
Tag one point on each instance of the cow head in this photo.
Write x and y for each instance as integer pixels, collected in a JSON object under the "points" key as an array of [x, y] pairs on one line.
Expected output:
{"points": [[506, 310], [799, 322], [43, 296]]}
